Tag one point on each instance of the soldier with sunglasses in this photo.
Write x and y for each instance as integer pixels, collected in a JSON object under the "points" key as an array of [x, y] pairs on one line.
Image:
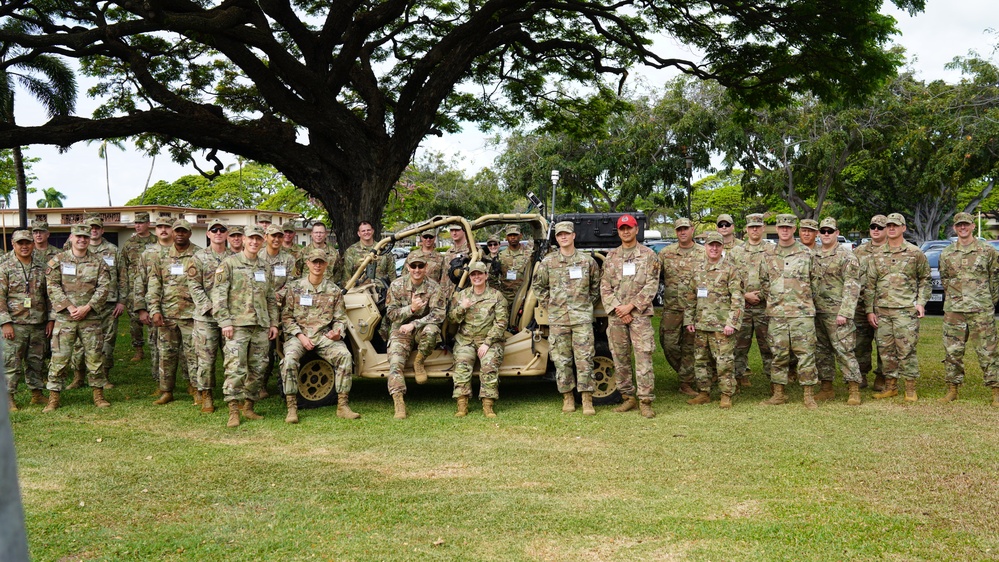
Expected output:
{"points": [[433, 259], [865, 332]]}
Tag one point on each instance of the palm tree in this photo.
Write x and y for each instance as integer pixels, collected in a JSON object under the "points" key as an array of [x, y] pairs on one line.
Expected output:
{"points": [[47, 78], [51, 197]]}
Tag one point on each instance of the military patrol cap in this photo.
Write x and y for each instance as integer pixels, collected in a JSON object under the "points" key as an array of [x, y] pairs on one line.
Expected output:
{"points": [[964, 217], [493, 238], [755, 219], [829, 222], [288, 227], [94, 220], [725, 217], [454, 226], [477, 266], [713, 238], [316, 254], [182, 224], [164, 221], [40, 225], [879, 220], [513, 229], [253, 230], [785, 219], [142, 217], [565, 226], [264, 217], [895, 218], [810, 224], [236, 229], [274, 229], [20, 235], [80, 230], [216, 222], [416, 258], [681, 223]]}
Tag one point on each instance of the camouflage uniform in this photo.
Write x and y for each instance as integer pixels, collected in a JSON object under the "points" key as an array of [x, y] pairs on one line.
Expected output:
{"points": [[970, 276], [898, 279], [24, 303], [484, 322], [788, 285], [73, 281], [206, 335], [313, 311], [631, 276], [243, 298], [109, 323], [435, 265], [837, 288], [864, 346], [567, 286], [383, 267], [283, 269], [140, 288], [169, 295], [679, 300], [733, 244], [427, 320], [129, 260], [514, 268], [454, 252], [719, 303], [334, 267], [748, 259]]}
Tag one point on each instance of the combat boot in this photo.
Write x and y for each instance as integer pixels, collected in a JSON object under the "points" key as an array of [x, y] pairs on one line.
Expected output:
{"points": [[685, 388], [292, 401], [646, 408], [826, 392], [588, 409], [810, 398], [910, 390], [462, 407], [53, 402], [702, 398], [191, 391], [138, 356], [11, 405], [890, 389], [37, 397], [99, 399], [854, 399], [995, 397], [744, 381], [863, 382], [419, 368], [879, 383], [77, 380], [155, 393], [233, 414], [207, 402], [487, 407], [726, 402], [198, 397], [248, 412], [778, 397], [400, 406], [951, 393], [343, 408], [165, 398], [568, 403], [629, 403]]}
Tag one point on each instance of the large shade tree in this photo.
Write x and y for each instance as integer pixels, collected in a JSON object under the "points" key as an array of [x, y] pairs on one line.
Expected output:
{"points": [[338, 95]]}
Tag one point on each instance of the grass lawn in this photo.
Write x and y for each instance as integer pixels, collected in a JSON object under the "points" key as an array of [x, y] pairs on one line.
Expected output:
{"points": [[881, 481]]}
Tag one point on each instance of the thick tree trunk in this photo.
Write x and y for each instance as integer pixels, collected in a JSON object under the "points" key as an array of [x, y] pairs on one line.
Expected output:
{"points": [[22, 187]]}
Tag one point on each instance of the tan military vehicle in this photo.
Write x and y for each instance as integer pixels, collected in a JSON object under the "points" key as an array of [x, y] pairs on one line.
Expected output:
{"points": [[526, 353]]}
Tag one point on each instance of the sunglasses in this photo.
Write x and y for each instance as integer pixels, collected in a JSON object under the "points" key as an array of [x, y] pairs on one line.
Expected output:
{"points": [[492, 244], [429, 237], [877, 227], [218, 229], [724, 224], [826, 231], [417, 266]]}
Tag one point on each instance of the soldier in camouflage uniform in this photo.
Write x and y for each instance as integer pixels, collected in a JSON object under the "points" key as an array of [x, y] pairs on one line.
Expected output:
{"points": [[898, 286], [865, 332], [40, 234], [140, 288], [514, 263], [567, 283], [678, 262], [480, 313], [24, 318], [383, 267], [837, 273], [288, 241], [628, 284], [715, 319], [747, 258], [314, 317], [969, 270], [128, 262], [172, 308], [459, 249], [264, 221], [725, 226], [433, 258], [235, 238], [78, 283], [206, 335], [788, 285], [808, 233], [283, 269], [320, 240], [415, 306], [245, 306]]}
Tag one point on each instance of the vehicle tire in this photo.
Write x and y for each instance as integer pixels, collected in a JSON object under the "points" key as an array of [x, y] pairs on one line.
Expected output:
{"points": [[605, 387], [316, 382]]}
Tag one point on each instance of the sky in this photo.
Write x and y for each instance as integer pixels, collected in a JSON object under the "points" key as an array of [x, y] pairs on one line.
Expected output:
{"points": [[931, 39]]}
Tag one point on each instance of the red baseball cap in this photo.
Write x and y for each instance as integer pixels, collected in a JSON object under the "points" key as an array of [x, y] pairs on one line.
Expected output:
{"points": [[627, 220]]}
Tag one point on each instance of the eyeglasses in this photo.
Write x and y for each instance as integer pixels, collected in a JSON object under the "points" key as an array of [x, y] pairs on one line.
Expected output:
{"points": [[429, 237], [826, 231], [218, 229], [877, 227], [492, 244], [416, 266], [724, 224]]}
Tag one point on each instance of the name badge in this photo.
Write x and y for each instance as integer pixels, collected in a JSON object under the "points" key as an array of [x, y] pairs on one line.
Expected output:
{"points": [[176, 269], [69, 269], [305, 300], [109, 260], [27, 302], [702, 293], [575, 272], [629, 269], [511, 275], [280, 271], [259, 276]]}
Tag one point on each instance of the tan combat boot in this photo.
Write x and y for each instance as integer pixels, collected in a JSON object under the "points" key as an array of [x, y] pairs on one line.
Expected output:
{"points": [[292, 401], [726, 402], [233, 414], [879, 383], [155, 393], [462, 407], [37, 397], [810, 398], [910, 390], [53, 404], [744, 381], [890, 389], [995, 397], [863, 382], [191, 391], [826, 392], [343, 408], [248, 412], [207, 402], [165, 398], [627, 404], [685, 388], [138, 355], [568, 403], [77, 380], [400, 406], [854, 399], [951, 393], [702, 398], [99, 399], [487, 407], [198, 398], [11, 405], [778, 397], [646, 408], [419, 368], [588, 409]]}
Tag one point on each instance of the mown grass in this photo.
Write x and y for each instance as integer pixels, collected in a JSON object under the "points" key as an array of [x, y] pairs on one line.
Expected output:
{"points": [[879, 481]]}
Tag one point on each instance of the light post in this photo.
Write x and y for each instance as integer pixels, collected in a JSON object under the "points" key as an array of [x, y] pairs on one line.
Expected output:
{"points": [[555, 176]]}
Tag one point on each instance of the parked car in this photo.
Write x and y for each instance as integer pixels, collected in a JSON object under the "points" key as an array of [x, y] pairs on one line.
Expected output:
{"points": [[935, 304]]}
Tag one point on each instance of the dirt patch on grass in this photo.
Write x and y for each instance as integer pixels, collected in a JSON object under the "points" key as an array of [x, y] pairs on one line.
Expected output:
{"points": [[605, 548], [741, 510]]}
